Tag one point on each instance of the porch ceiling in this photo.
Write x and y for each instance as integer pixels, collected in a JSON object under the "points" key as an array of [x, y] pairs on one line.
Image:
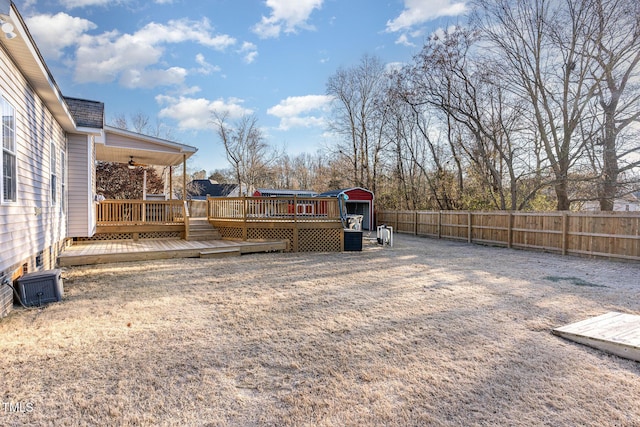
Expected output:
{"points": [[118, 145]]}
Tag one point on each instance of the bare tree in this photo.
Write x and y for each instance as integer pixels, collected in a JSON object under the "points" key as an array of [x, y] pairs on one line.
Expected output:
{"points": [[358, 117], [247, 152], [483, 120], [541, 49], [617, 53]]}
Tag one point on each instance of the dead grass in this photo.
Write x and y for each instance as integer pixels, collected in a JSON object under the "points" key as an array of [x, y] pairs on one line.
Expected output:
{"points": [[427, 333]]}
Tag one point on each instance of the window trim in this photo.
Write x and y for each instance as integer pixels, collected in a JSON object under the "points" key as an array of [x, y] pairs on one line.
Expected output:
{"points": [[11, 151], [63, 180], [54, 177]]}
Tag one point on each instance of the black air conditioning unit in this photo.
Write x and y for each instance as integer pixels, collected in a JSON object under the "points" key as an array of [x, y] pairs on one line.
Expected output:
{"points": [[41, 287], [352, 240]]}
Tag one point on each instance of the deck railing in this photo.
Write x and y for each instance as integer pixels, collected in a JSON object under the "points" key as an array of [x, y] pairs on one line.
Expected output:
{"points": [[140, 212], [274, 209], [309, 224]]}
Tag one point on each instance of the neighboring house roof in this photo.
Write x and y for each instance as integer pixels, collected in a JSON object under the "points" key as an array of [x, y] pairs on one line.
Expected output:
{"points": [[204, 187], [268, 192], [86, 113]]}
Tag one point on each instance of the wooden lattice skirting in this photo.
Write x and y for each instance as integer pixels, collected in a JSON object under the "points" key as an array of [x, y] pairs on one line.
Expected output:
{"points": [[302, 237], [132, 236]]}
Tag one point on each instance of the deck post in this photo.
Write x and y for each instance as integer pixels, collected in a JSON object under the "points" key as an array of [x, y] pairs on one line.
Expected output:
{"points": [[185, 215], [244, 217], [295, 223]]}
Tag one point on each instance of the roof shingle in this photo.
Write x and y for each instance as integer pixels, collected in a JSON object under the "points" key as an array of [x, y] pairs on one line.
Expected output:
{"points": [[86, 113]]}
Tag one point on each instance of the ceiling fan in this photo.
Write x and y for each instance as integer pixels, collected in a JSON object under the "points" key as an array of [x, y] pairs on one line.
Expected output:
{"points": [[132, 164]]}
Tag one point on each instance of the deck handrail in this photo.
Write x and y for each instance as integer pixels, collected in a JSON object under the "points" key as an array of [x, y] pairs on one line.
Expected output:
{"points": [[273, 209], [140, 212]]}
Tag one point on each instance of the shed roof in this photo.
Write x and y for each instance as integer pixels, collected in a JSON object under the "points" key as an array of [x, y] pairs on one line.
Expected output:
{"points": [[336, 193], [267, 192]]}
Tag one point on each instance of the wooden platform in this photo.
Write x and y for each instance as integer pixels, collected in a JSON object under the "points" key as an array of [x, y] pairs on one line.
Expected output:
{"points": [[616, 333], [120, 251]]}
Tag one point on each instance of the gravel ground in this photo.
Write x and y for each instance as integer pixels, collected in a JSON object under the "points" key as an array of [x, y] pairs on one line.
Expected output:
{"points": [[425, 333]]}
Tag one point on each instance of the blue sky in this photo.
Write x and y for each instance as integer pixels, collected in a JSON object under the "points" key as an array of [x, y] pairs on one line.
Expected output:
{"points": [[178, 61]]}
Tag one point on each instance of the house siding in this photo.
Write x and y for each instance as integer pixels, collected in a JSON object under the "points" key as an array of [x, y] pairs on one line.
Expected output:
{"points": [[81, 189], [33, 226]]}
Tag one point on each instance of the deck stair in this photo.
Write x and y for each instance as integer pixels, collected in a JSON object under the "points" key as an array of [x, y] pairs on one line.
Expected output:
{"points": [[201, 230]]}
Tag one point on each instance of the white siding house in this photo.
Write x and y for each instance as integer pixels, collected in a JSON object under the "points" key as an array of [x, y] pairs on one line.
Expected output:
{"points": [[49, 148]]}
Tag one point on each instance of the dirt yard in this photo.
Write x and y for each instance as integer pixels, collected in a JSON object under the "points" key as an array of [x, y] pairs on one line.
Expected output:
{"points": [[428, 333]]}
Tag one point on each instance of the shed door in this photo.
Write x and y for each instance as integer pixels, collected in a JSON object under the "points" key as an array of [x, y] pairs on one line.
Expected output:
{"points": [[360, 208]]}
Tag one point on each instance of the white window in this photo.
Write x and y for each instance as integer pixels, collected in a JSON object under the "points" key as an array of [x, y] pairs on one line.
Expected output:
{"points": [[9, 166], [54, 177]]}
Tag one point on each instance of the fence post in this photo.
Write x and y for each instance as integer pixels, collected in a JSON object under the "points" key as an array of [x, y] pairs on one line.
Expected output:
{"points": [[510, 231], [395, 226], [415, 223], [439, 224], [469, 227], [565, 229]]}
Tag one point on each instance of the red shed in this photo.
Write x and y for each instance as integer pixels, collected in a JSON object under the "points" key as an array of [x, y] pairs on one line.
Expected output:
{"points": [[359, 202]]}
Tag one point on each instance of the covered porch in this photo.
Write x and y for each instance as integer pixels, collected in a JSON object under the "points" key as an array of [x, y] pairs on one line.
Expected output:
{"points": [[149, 217]]}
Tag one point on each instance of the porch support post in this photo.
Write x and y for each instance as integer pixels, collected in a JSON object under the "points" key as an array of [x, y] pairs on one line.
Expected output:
{"points": [[184, 177], [144, 184], [170, 182]]}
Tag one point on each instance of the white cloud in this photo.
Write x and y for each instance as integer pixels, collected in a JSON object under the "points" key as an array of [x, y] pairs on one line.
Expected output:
{"points": [[404, 40], [197, 113], [418, 12], [70, 4], [250, 52], [151, 78], [182, 30], [287, 16], [131, 57], [294, 111], [394, 66], [205, 68], [54, 33]]}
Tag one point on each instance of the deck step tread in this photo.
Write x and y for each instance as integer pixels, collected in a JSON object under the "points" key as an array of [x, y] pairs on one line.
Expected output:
{"points": [[220, 253]]}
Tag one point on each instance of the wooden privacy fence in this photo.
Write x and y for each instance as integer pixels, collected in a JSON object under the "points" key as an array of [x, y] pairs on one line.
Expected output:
{"points": [[310, 224], [611, 235]]}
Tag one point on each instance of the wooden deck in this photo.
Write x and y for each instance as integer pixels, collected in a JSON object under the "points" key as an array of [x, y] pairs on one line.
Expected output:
{"points": [[616, 333], [120, 251]]}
